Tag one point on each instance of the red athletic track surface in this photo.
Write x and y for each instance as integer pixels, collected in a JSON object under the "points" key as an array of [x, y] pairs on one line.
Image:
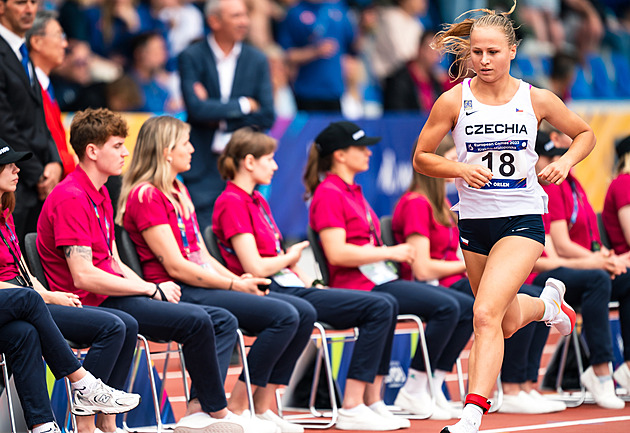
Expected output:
{"points": [[586, 418]]}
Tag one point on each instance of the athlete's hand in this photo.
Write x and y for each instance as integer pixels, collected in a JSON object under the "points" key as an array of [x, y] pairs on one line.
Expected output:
{"points": [[403, 253], [250, 285], [62, 298], [475, 175], [556, 172]]}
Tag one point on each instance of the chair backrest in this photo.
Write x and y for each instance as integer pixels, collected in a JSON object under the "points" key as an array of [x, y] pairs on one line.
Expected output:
{"points": [[127, 250], [386, 231], [213, 245], [33, 260], [603, 234], [318, 252]]}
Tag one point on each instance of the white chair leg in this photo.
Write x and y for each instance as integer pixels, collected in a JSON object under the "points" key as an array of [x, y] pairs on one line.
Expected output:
{"points": [[248, 383], [5, 372]]}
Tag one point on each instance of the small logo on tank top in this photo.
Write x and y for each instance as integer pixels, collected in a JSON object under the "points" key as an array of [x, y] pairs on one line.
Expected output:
{"points": [[467, 104], [518, 110]]}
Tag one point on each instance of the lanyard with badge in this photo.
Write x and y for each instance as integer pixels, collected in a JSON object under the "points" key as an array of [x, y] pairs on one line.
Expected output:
{"points": [[106, 235], [577, 202], [380, 272], [284, 277], [194, 256], [23, 278]]}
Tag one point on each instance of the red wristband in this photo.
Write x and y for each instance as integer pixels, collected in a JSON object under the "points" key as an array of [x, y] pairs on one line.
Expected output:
{"points": [[478, 400]]}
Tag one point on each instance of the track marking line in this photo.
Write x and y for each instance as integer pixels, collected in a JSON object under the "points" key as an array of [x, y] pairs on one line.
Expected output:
{"points": [[557, 424]]}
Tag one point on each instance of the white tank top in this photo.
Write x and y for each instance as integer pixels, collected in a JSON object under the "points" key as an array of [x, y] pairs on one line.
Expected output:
{"points": [[502, 138]]}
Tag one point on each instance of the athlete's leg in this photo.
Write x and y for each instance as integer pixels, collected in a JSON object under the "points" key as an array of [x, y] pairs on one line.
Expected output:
{"points": [[496, 304]]}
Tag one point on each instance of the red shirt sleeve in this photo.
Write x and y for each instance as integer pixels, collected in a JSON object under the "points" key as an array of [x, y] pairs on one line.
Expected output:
{"points": [[147, 207], [327, 209], [557, 205], [71, 221], [232, 216], [419, 217]]}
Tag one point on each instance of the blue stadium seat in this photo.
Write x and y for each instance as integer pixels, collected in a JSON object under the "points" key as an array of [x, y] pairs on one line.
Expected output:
{"points": [[603, 86], [621, 64], [581, 88]]}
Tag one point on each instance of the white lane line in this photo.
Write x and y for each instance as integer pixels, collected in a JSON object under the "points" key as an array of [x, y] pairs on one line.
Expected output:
{"points": [[557, 424]]}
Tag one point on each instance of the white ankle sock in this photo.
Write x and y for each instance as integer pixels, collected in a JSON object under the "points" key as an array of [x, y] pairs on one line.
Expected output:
{"points": [[438, 378], [417, 382], [375, 406], [551, 310], [470, 421], [47, 427], [356, 409], [86, 381]]}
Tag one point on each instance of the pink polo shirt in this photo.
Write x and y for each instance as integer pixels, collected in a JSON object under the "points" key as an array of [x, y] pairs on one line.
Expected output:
{"points": [[339, 205], [236, 212], [8, 267], [414, 215], [148, 207], [617, 196], [579, 215], [75, 213]]}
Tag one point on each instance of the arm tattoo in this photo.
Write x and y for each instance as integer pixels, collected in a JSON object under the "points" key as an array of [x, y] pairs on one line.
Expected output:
{"points": [[83, 252]]}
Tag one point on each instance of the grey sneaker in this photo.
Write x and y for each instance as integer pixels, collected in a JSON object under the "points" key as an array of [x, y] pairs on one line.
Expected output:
{"points": [[100, 398]]}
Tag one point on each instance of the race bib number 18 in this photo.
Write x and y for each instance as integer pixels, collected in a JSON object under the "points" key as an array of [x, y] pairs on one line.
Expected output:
{"points": [[505, 159]]}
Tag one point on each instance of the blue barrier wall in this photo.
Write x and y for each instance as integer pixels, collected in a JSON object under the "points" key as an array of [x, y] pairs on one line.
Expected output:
{"points": [[388, 177]]}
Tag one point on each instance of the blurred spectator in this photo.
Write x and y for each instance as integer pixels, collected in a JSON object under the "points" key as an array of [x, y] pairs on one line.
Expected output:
{"points": [[562, 75], [316, 34], [225, 85], [283, 99], [73, 20], [451, 9], [184, 22], [158, 88], [397, 36], [114, 23], [22, 120], [583, 26], [543, 17], [352, 100], [75, 89], [123, 94], [47, 43]]}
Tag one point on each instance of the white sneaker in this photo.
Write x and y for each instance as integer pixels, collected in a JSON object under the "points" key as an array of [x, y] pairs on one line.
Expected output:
{"points": [[603, 393], [201, 422], [54, 429], [362, 418], [550, 403], [285, 426], [522, 403], [462, 426], [420, 405], [380, 409], [453, 408], [622, 376], [554, 292], [252, 424], [118, 430], [100, 398]]}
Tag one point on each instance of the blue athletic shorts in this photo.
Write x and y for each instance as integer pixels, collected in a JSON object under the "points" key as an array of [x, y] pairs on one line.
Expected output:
{"points": [[480, 235]]}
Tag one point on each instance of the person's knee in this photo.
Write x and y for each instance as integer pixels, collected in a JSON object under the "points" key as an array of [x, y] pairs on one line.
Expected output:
{"points": [[24, 337], [600, 283], [287, 317], [392, 302], [197, 320], [485, 317], [509, 329], [449, 307]]}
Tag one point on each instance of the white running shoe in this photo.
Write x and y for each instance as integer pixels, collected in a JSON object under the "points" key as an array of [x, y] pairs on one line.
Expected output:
{"points": [[552, 405], [100, 398], [201, 422], [252, 424], [420, 405], [54, 429], [284, 425], [524, 403], [622, 376], [603, 393], [554, 292], [363, 418], [380, 408], [118, 430], [453, 408]]}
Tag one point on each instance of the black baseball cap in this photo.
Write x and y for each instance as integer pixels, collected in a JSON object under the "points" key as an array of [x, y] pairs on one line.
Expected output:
{"points": [[623, 147], [546, 147], [340, 135], [8, 155]]}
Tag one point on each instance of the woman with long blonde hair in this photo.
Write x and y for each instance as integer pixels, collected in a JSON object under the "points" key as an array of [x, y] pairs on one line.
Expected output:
{"points": [[157, 211]]}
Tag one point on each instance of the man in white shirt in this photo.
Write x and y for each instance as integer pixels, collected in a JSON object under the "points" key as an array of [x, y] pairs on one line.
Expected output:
{"points": [[226, 86]]}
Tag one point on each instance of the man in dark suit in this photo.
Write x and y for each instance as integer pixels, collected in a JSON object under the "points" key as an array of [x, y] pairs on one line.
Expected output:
{"points": [[226, 86], [22, 120]]}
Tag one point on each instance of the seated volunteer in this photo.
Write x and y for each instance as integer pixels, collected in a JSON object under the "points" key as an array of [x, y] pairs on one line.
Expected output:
{"points": [[111, 334], [616, 212], [350, 235], [76, 244], [422, 218], [592, 274], [251, 243], [27, 330], [156, 210]]}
